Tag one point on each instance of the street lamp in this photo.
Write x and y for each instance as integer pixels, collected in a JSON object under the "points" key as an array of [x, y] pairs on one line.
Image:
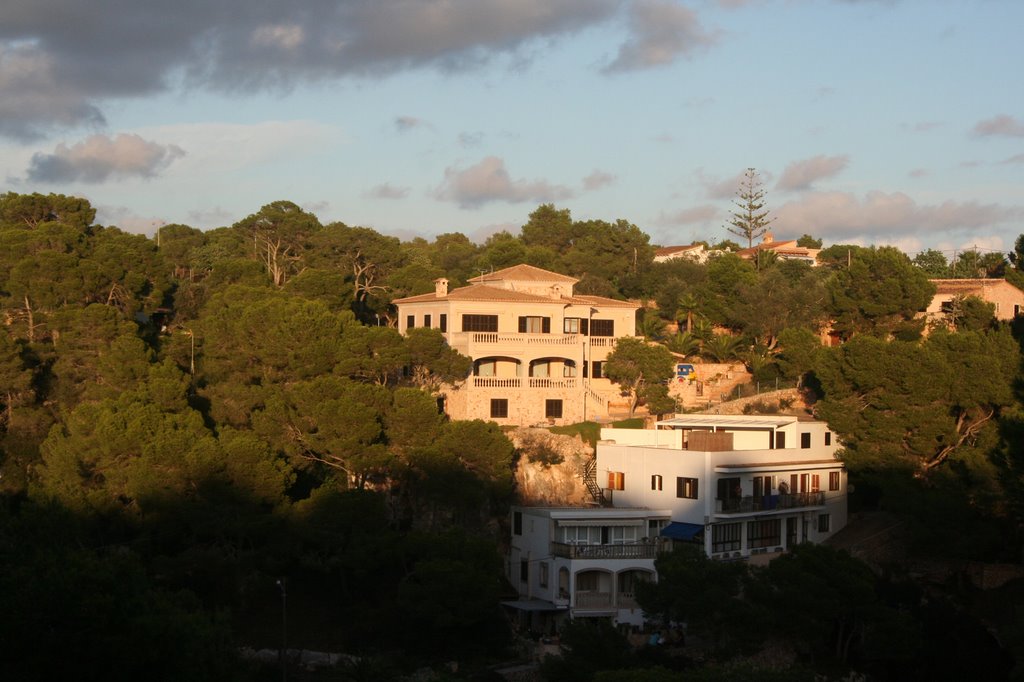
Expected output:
{"points": [[192, 350], [283, 584]]}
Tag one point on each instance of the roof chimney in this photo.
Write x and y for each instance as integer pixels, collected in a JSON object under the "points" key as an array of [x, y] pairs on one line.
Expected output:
{"points": [[440, 287], [768, 238]]}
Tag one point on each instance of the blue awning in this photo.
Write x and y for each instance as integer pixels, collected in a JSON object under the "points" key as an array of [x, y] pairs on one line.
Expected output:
{"points": [[681, 531]]}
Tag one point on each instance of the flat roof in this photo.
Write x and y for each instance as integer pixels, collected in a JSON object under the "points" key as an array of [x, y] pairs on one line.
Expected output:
{"points": [[729, 421], [602, 513]]}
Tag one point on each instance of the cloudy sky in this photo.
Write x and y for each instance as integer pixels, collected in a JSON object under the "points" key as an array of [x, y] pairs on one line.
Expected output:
{"points": [[870, 121]]}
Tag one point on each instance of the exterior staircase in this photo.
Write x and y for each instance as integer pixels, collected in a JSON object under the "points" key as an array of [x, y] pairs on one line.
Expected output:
{"points": [[589, 474]]}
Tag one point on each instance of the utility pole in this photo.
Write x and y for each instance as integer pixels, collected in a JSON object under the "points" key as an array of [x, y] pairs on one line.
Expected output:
{"points": [[283, 584]]}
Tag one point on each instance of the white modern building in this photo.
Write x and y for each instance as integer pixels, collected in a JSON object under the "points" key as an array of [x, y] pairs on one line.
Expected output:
{"points": [[739, 485], [581, 562]]}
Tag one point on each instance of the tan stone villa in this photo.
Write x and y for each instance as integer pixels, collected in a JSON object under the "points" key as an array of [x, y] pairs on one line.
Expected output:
{"points": [[537, 348]]}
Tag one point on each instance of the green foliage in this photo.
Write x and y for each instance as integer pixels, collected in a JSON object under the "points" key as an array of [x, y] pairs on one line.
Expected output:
{"points": [[74, 612], [808, 242], [933, 263], [704, 594], [33, 210], [723, 348], [826, 602], [639, 368], [279, 233], [776, 301], [800, 351], [879, 290], [901, 404], [750, 219], [971, 313], [589, 645]]}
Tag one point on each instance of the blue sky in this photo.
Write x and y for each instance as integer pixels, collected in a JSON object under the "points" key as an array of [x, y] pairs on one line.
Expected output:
{"points": [[872, 121]]}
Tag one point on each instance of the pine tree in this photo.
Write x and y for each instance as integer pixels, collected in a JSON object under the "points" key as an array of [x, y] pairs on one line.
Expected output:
{"points": [[750, 220]]}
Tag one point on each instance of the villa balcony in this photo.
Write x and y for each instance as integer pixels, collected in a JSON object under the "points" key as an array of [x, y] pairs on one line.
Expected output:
{"points": [[639, 551], [469, 339], [603, 601], [748, 504], [523, 382]]}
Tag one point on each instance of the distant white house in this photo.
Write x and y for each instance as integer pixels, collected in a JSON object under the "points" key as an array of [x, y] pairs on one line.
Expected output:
{"points": [[581, 562], [738, 485], [784, 250], [1007, 299], [695, 252]]}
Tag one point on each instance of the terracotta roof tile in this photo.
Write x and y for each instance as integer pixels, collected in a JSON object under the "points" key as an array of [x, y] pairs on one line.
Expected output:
{"points": [[524, 273]]}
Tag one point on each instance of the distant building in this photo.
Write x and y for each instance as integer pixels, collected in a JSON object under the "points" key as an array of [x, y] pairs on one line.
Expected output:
{"points": [[1007, 299], [538, 348], [737, 485], [581, 562], [695, 252], [784, 250]]}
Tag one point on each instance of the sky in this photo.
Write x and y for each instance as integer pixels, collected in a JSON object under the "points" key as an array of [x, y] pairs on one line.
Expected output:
{"points": [[869, 121]]}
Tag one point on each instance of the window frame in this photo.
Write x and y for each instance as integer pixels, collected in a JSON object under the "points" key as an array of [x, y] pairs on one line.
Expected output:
{"points": [[656, 482], [605, 328], [551, 407], [726, 537], [687, 488], [764, 533], [472, 322], [502, 406]]}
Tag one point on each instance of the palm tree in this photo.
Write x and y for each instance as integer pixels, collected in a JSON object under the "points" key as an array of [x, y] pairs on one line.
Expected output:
{"points": [[685, 344], [723, 347], [652, 326], [688, 307]]}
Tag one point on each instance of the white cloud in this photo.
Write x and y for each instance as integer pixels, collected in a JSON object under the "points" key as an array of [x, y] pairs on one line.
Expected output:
{"points": [[99, 158], [406, 123], [662, 31], [724, 189], [220, 147], [128, 220], [597, 180], [800, 175], [689, 216], [282, 36], [489, 181], [1000, 125], [881, 215], [387, 191]]}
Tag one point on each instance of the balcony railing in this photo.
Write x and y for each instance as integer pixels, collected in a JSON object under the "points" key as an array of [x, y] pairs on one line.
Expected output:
{"points": [[639, 551], [526, 339], [594, 600], [519, 382], [605, 600], [749, 503], [530, 339]]}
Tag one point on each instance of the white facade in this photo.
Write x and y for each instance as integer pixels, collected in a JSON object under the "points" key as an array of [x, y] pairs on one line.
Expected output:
{"points": [[752, 484], [582, 562], [538, 348]]}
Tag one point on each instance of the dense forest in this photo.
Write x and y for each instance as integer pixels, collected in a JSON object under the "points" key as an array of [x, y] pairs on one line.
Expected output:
{"points": [[202, 431]]}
